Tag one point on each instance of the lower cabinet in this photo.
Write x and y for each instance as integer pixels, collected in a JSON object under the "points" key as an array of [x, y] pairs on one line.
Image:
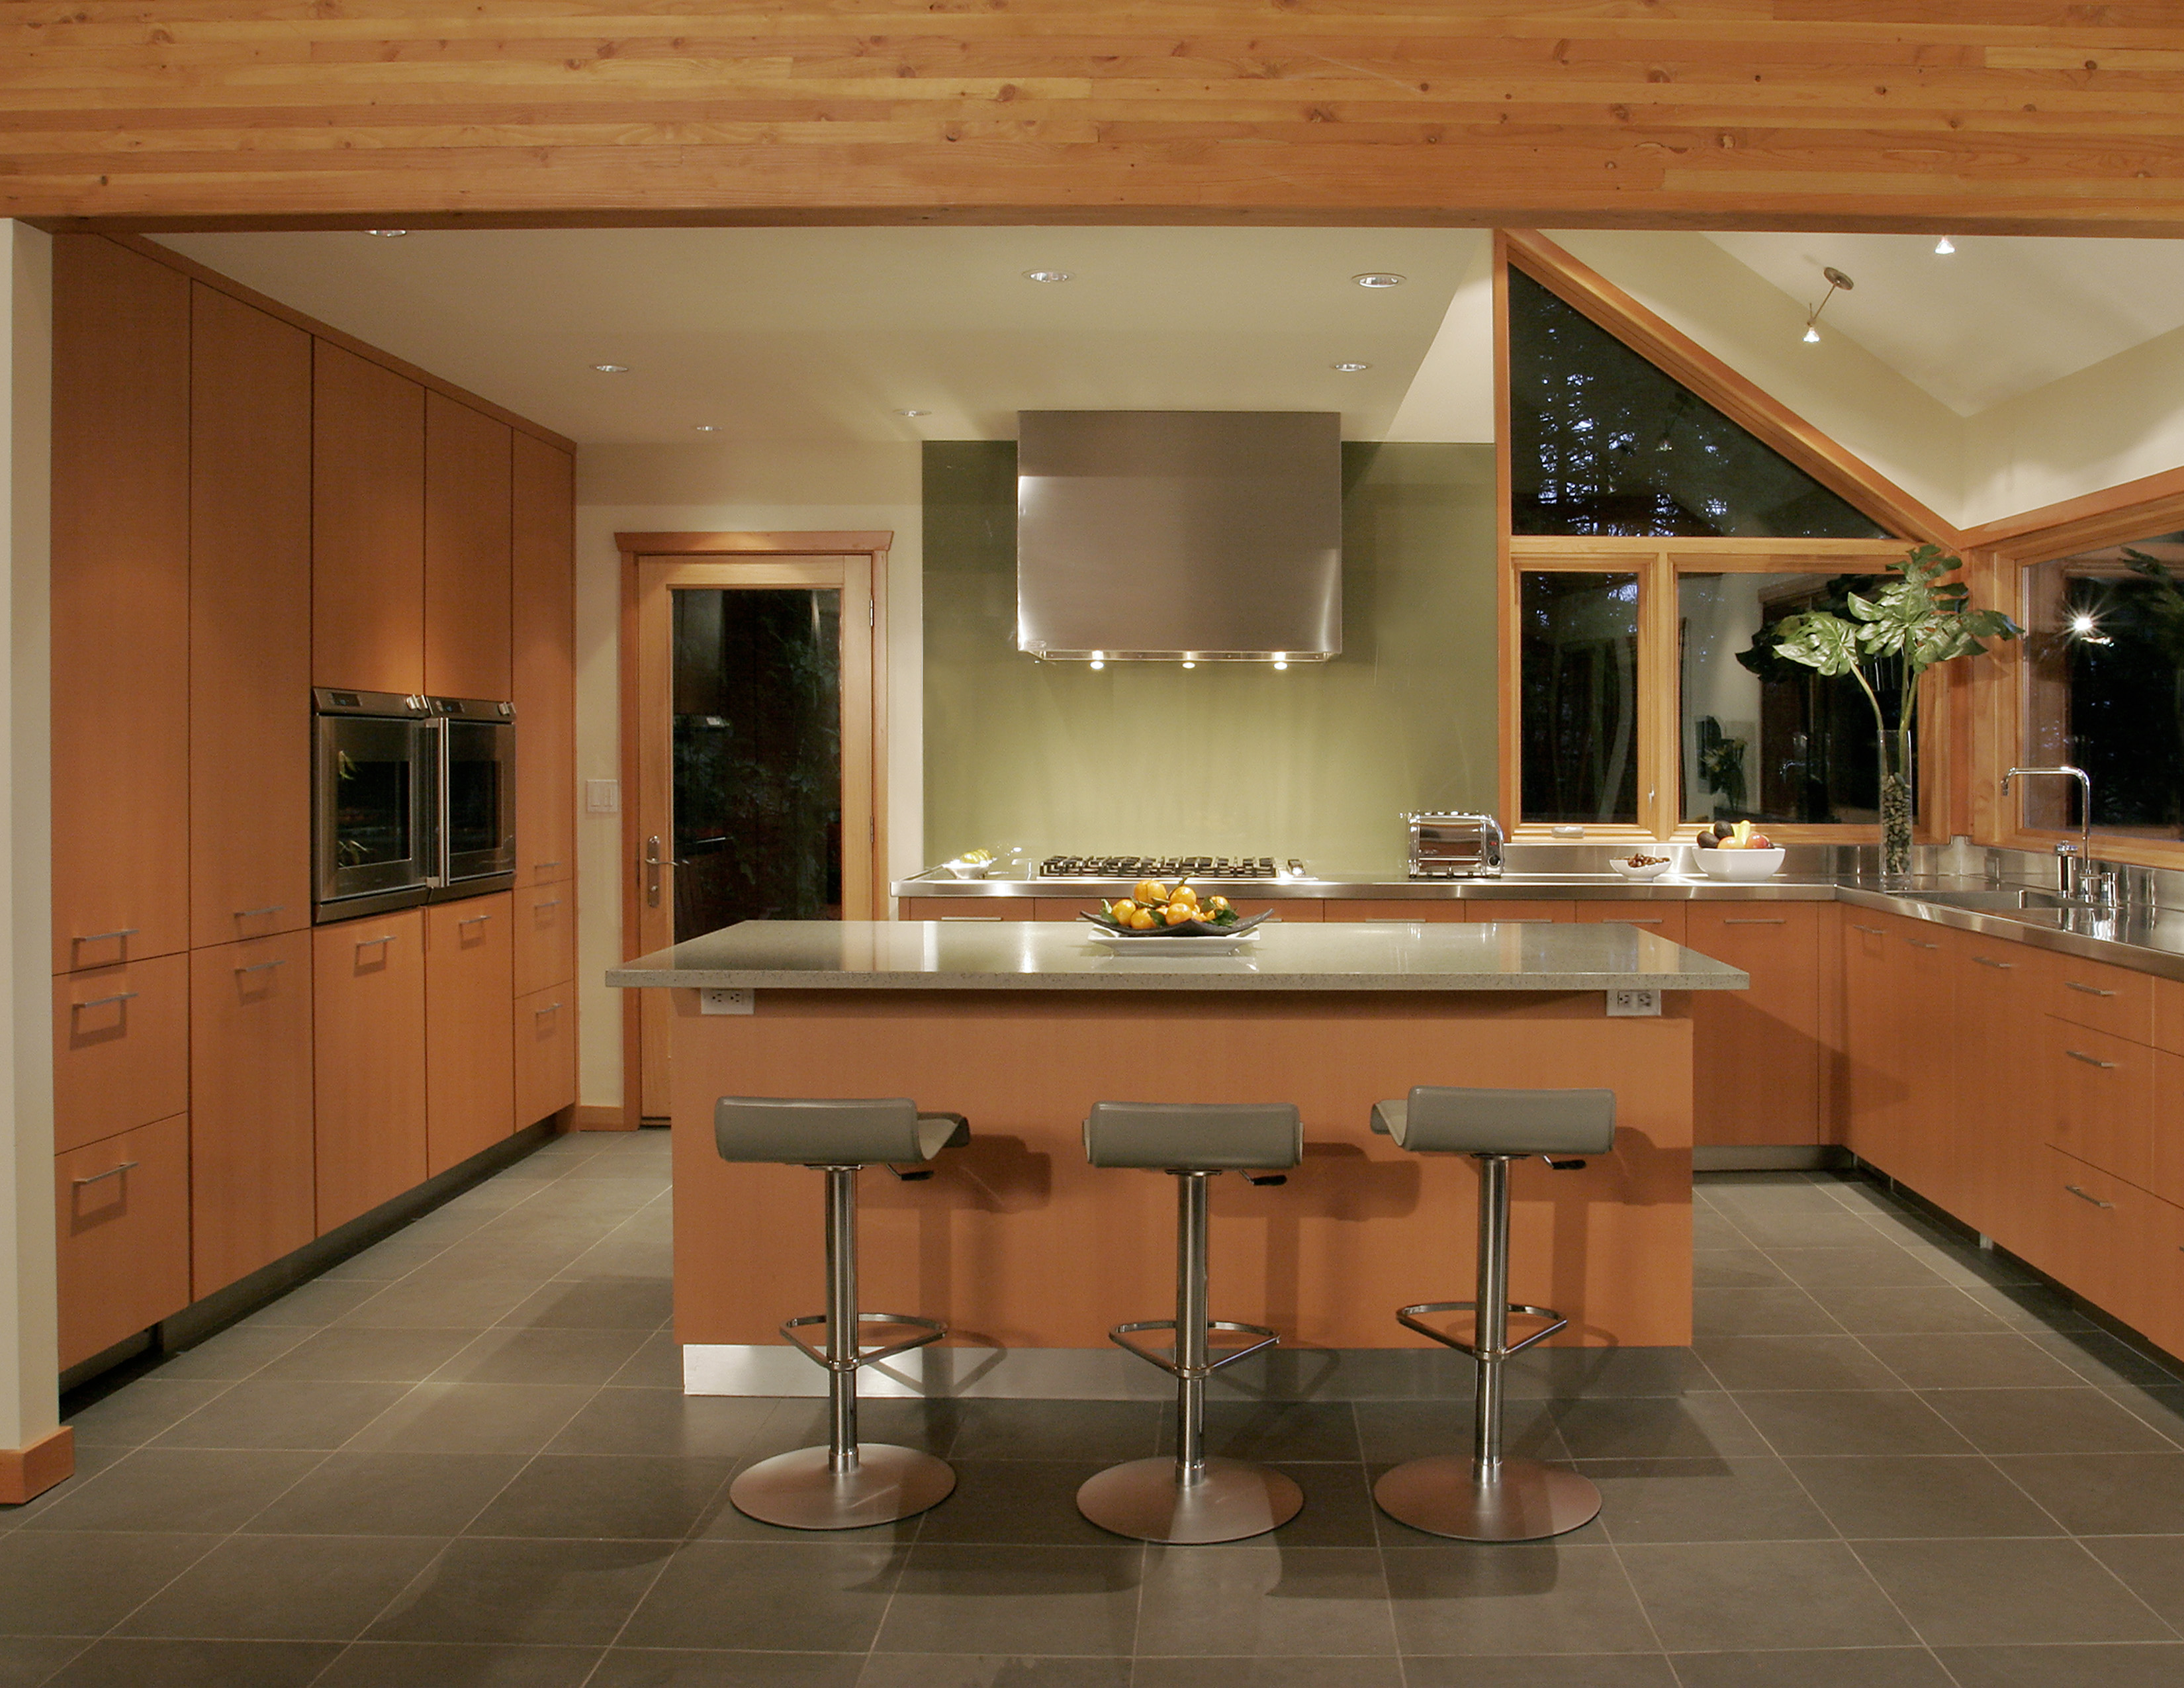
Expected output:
{"points": [[545, 917], [1760, 1056], [545, 1053], [2098, 1096], [253, 1159], [368, 1062], [121, 1052], [121, 1222], [1995, 1132], [470, 1042]]}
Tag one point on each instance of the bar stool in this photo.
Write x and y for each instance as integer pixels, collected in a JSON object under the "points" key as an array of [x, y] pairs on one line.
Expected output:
{"points": [[1192, 1498], [847, 1483], [1487, 1497]]}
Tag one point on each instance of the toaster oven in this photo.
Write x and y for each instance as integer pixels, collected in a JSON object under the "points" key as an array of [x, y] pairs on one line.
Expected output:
{"points": [[1446, 845]]}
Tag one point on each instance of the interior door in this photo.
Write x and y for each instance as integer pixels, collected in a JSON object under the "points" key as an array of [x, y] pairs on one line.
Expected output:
{"points": [[755, 794]]}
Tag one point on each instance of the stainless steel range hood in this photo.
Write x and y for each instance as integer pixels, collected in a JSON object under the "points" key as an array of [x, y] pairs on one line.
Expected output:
{"points": [[1213, 536]]}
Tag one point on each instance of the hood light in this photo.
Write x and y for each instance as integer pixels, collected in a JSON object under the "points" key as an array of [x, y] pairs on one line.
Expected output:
{"points": [[1281, 659]]}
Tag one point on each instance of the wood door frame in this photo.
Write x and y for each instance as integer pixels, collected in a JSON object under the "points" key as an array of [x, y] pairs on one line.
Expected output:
{"points": [[873, 545]]}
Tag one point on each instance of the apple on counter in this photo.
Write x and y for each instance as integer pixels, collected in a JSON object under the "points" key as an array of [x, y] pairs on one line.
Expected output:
{"points": [[1723, 836]]}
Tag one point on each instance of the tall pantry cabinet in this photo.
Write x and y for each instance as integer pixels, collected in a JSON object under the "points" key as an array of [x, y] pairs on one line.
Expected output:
{"points": [[246, 505]]}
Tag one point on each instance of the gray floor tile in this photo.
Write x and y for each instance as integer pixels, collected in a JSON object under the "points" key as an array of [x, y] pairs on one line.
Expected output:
{"points": [[2105, 1493], [27, 1661], [448, 1418], [90, 1460], [1831, 1667], [442, 1304], [1731, 1596], [1770, 1310], [2157, 1666], [595, 1305], [133, 1415], [2160, 1406], [2028, 1306], [283, 1412], [1695, 1427], [1015, 1600], [1850, 1422], [1338, 1508], [320, 1301], [664, 1422], [2102, 1359], [1239, 1672], [639, 1497], [801, 1422], [2006, 1592], [119, 1663], [1747, 1267], [1073, 1430], [1544, 1670], [1392, 1431], [1745, 1363], [64, 1583], [388, 1494], [368, 1354], [421, 1664], [996, 1502], [657, 1364], [771, 1596], [2001, 1360], [684, 1668], [1593, 1374], [1461, 1599], [644, 1256], [1395, 1534], [1289, 1431], [234, 1353], [2151, 1566], [569, 1593], [1872, 1265], [1909, 1311], [1929, 1496], [2080, 1420], [1275, 1601], [1704, 1500], [176, 1488], [292, 1588], [507, 1355], [1833, 1227]]}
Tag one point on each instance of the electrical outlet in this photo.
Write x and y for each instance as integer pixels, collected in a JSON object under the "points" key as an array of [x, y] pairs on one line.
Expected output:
{"points": [[603, 797], [729, 1002], [1623, 1003]]}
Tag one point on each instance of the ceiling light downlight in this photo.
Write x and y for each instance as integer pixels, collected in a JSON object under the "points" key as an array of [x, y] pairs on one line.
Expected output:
{"points": [[1378, 278], [611, 369], [913, 413], [1944, 247], [1350, 369], [1048, 275], [387, 234], [702, 428], [1837, 282]]}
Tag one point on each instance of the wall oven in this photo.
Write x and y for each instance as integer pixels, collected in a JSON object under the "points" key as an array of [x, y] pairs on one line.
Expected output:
{"points": [[373, 796], [475, 755]]}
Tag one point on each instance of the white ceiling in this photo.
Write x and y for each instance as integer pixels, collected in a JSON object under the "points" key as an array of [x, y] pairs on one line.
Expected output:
{"points": [[2001, 316], [822, 334]]}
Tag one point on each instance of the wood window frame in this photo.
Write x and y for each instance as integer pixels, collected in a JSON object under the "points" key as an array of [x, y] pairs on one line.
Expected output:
{"points": [[1944, 734]]}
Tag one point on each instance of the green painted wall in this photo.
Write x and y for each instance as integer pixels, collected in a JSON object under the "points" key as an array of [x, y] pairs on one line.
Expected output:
{"points": [[1318, 762]]}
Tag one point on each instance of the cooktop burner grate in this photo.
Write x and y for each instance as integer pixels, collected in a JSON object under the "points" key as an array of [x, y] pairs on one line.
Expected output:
{"points": [[1158, 867]]}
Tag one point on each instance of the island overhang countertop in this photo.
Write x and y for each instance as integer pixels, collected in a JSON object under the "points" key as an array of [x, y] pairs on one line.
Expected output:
{"points": [[1059, 955]]}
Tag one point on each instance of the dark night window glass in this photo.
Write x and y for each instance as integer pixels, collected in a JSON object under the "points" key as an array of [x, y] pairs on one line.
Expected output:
{"points": [[1603, 443], [1765, 738], [1578, 639], [2105, 685]]}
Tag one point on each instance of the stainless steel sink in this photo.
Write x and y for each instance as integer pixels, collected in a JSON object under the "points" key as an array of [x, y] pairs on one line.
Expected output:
{"points": [[2008, 901]]}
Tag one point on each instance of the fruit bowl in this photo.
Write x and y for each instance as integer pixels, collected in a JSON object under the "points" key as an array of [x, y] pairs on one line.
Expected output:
{"points": [[1738, 864], [1664, 861], [1188, 929]]}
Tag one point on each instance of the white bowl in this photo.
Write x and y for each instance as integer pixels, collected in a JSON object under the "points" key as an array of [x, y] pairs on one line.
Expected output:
{"points": [[1737, 864], [1621, 864]]}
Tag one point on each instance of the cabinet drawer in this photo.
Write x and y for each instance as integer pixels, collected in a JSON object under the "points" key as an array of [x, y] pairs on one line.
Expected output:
{"points": [[122, 1048], [1662, 919], [121, 1223], [2113, 999], [1509, 910], [2094, 1228], [545, 1053], [967, 908], [2100, 1100], [2163, 1275], [545, 937], [1423, 909]]}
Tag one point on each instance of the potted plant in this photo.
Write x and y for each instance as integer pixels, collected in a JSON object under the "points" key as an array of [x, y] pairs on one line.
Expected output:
{"points": [[1911, 625]]}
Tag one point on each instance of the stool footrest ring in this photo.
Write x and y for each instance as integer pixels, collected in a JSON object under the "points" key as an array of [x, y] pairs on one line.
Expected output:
{"points": [[930, 1329], [1408, 1317], [1121, 1334]]}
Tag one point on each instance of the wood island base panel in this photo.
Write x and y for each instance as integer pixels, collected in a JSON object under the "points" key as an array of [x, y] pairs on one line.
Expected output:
{"points": [[1018, 1243]]}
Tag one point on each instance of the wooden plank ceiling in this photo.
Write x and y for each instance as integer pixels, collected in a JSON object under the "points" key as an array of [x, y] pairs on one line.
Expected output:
{"points": [[2011, 115]]}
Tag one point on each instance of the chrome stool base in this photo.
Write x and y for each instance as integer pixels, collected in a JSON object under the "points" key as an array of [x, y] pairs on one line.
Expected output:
{"points": [[799, 1490], [1145, 1501], [1524, 1502]]}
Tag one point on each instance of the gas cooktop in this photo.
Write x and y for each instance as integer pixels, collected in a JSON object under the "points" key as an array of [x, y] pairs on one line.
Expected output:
{"points": [[1164, 867]]}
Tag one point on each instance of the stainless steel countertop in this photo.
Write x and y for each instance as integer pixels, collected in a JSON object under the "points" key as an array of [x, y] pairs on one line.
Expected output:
{"points": [[1382, 955], [1510, 887]]}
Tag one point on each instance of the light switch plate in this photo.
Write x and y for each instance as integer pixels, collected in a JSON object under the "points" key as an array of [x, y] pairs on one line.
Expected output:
{"points": [[727, 1002], [1623, 1004], [603, 797]]}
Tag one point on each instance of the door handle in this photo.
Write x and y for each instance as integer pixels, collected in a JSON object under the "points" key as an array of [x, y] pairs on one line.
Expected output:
{"points": [[110, 1173], [269, 908], [474, 920], [2082, 1196], [2090, 1059], [1989, 961], [1778, 920], [554, 904], [1877, 932], [2089, 990], [653, 861], [101, 1001], [1916, 944], [366, 942]]}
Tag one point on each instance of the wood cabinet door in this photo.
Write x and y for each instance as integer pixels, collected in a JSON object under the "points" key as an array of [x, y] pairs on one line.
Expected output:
{"points": [[545, 917], [1758, 1056], [121, 1050], [544, 630], [1996, 1129], [1664, 919], [250, 621], [2113, 999], [968, 908], [1436, 910], [468, 465], [469, 1040], [253, 1172], [121, 1219], [2163, 1272], [2090, 1227], [368, 524], [1519, 910], [368, 1062], [119, 606], [1925, 1009], [1872, 1090], [2099, 1095], [545, 1055]]}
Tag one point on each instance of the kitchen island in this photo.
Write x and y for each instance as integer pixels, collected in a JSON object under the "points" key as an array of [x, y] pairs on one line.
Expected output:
{"points": [[1030, 1254]]}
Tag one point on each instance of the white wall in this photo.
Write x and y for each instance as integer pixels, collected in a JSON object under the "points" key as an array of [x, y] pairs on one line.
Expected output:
{"points": [[724, 488], [29, 1358]]}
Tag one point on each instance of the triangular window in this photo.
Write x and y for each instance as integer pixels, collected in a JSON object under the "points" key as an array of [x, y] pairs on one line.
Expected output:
{"points": [[1601, 441]]}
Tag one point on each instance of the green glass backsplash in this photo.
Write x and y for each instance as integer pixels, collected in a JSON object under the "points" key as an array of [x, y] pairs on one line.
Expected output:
{"points": [[1318, 762]]}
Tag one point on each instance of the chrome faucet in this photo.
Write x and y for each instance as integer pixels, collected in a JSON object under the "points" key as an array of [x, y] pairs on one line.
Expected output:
{"points": [[2074, 865]]}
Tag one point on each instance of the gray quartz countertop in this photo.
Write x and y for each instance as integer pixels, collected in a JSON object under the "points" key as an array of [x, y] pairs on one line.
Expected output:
{"points": [[1053, 955]]}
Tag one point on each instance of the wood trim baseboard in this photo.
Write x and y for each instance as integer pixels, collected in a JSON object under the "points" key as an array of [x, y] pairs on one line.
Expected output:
{"points": [[878, 541], [601, 1117], [27, 1472]]}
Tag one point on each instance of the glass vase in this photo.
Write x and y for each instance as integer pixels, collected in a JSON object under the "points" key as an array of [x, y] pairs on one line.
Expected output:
{"points": [[1896, 794]]}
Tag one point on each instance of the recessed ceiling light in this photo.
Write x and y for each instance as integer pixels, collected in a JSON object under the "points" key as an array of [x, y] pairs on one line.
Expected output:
{"points": [[1944, 247], [1378, 278], [913, 413], [611, 369], [387, 234], [702, 428], [1047, 275], [1350, 369]]}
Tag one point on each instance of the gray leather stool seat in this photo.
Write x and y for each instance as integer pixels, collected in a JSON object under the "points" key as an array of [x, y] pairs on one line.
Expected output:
{"points": [[846, 1483], [1487, 1497], [1192, 1498]]}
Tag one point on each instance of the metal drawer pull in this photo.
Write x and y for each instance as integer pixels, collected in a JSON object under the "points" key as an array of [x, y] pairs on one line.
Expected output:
{"points": [[550, 1008], [474, 920], [1916, 944], [1989, 961], [2090, 1059], [2082, 1196], [263, 967], [1875, 931], [366, 942], [554, 904], [269, 908], [1632, 920], [536, 866], [2089, 990], [101, 1001], [93, 937], [110, 1173], [1778, 920], [946, 917]]}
